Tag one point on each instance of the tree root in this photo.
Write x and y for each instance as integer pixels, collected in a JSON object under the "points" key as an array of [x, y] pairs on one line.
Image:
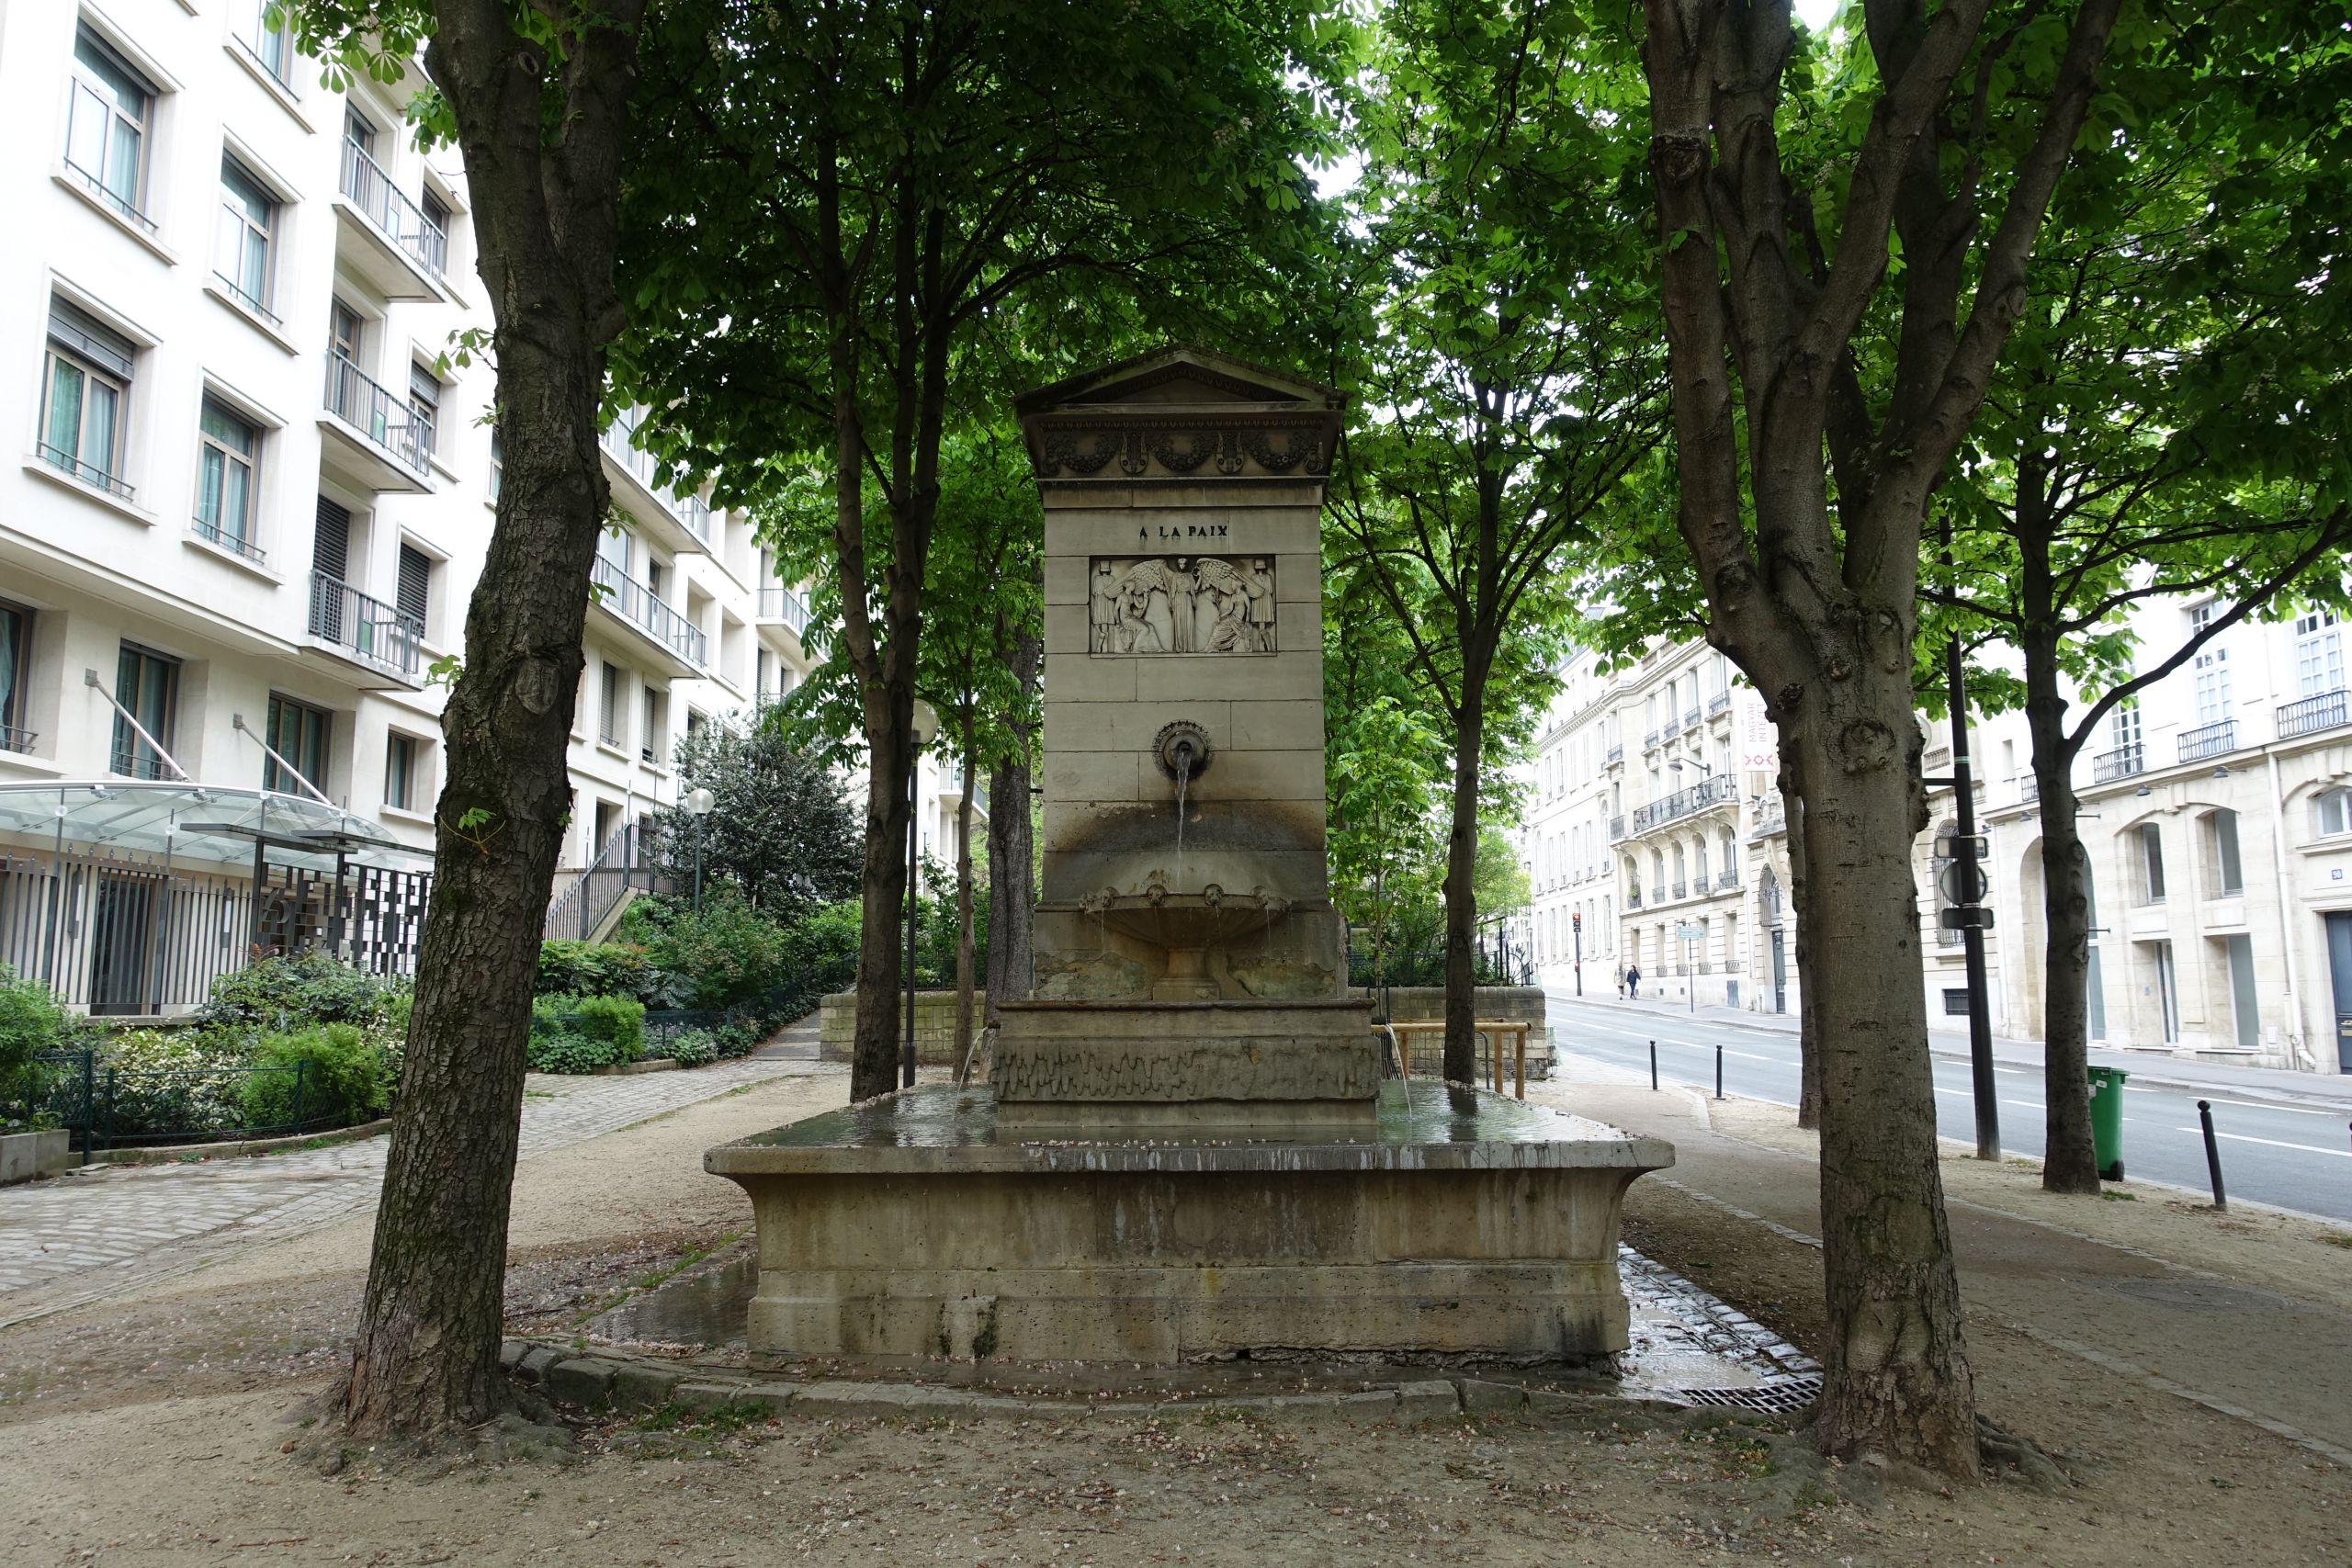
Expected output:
{"points": [[2009, 1456], [525, 1429]]}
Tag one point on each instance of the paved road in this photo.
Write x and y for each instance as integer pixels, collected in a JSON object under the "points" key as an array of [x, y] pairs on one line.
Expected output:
{"points": [[2294, 1156]]}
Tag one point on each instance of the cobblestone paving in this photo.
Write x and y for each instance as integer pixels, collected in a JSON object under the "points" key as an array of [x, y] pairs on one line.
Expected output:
{"points": [[133, 1222]]}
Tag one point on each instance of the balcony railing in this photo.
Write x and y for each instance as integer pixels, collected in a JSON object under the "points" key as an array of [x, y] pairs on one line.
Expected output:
{"points": [[1634, 899], [619, 442], [2028, 789], [2209, 740], [2120, 763], [1682, 890], [1717, 703], [695, 513], [779, 604], [14, 740], [1616, 829], [1690, 719], [359, 402], [88, 473], [388, 207], [211, 533], [1616, 752], [1775, 818], [2322, 712], [1713, 790], [368, 627], [635, 603], [1728, 877]]}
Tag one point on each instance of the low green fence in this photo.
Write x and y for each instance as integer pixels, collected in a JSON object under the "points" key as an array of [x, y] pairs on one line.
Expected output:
{"points": [[111, 1108]]}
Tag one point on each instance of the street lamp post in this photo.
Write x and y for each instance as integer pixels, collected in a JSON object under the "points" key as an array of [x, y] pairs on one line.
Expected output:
{"points": [[698, 803], [924, 727]]}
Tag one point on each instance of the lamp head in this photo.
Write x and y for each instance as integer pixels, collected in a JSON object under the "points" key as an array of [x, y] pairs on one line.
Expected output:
{"points": [[924, 723], [699, 801]]}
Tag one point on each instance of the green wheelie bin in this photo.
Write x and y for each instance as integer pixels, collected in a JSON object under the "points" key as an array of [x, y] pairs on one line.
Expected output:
{"points": [[2107, 1121]]}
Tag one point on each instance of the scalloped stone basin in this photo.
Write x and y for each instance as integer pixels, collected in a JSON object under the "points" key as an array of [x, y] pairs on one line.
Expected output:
{"points": [[1458, 1222]]}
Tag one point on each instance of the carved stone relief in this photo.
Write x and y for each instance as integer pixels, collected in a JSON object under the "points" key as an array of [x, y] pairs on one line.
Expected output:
{"points": [[1182, 604]]}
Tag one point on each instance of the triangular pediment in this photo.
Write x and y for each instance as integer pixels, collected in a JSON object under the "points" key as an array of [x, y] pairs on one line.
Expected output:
{"points": [[1182, 376]]}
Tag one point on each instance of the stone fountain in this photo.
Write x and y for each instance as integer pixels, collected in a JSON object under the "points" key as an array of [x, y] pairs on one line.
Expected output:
{"points": [[1188, 1148]]}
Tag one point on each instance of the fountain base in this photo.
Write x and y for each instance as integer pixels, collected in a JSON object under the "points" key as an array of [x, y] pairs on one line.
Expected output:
{"points": [[1458, 1223]]}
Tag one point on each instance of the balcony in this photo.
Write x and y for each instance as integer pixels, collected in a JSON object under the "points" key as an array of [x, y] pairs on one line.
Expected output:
{"points": [[2209, 740], [1690, 719], [1727, 878], [1634, 899], [1616, 752], [2120, 763], [1773, 819], [384, 445], [2028, 789], [1616, 829], [678, 641], [365, 631], [14, 740], [1682, 890], [1714, 790], [680, 523], [1719, 702], [782, 605], [212, 533], [1649, 742], [2324, 711], [394, 247]]}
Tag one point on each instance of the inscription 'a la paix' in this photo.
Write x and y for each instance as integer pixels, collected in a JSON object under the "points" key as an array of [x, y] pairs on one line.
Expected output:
{"points": [[1182, 531]]}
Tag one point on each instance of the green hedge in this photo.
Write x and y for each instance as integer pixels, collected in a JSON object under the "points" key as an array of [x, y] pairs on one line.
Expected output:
{"points": [[579, 1034], [340, 1077]]}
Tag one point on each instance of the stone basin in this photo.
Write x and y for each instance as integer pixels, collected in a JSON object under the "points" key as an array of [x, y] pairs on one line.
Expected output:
{"points": [[1456, 1224]]}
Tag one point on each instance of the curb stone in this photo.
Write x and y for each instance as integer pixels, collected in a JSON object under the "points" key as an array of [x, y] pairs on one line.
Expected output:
{"points": [[1480, 1398], [582, 1380], [636, 1386], [533, 1364]]}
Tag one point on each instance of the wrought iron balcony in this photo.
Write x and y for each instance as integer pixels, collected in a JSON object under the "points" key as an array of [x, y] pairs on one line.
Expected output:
{"points": [[1729, 877], [641, 607], [1649, 742], [2029, 788], [619, 441], [1682, 890], [388, 207], [1719, 702], [14, 740], [388, 421], [364, 627], [1634, 899], [1690, 719], [780, 604], [2120, 763], [2209, 740], [211, 533], [1616, 752], [2321, 712], [1616, 829], [1714, 790], [1773, 819]]}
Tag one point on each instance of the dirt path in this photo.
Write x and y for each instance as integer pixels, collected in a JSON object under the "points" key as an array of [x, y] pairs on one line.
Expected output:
{"points": [[148, 1431]]}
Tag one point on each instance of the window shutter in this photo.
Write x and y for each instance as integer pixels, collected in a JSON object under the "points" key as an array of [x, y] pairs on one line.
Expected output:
{"points": [[77, 329], [332, 553], [416, 582], [424, 385]]}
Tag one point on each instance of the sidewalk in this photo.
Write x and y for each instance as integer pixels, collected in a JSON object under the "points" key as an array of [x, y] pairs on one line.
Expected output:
{"points": [[2247, 1316], [2154, 1067]]}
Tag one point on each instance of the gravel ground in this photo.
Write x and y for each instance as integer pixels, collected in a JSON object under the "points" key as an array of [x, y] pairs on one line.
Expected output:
{"points": [[152, 1430]]}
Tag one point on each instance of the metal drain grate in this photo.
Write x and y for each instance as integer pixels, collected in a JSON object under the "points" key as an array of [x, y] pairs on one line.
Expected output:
{"points": [[1785, 1397]]}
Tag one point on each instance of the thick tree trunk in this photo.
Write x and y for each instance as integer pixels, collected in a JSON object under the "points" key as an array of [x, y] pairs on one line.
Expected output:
{"points": [[1461, 893], [1012, 887], [426, 1357], [964, 953], [1897, 1380], [875, 1049], [2068, 1164]]}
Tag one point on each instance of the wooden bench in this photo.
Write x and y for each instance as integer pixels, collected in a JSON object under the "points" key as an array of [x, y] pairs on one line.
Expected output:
{"points": [[1494, 1030]]}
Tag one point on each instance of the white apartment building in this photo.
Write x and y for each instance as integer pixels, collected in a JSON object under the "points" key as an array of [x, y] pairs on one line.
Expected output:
{"points": [[2217, 814], [250, 503]]}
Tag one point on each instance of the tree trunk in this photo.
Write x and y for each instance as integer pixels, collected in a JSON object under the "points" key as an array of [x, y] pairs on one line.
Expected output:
{"points": [[964, 955], [874, 1058], [1808, 1021], [1012, 887], [2068, 1164], [1460, 890], [426, 1357], [1897, 1380]]}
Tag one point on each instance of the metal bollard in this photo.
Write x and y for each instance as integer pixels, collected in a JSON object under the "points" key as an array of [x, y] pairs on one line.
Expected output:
{"points": [[1653, 1067], [1719, 1070], [2212, 1154]]}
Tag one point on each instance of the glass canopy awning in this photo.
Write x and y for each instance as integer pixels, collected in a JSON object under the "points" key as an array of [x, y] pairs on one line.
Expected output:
{"points": [[195, 823]]}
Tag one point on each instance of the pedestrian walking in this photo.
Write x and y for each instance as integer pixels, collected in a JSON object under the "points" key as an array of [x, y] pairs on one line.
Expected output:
{"points": [[1633, 982], [1620, 982]]}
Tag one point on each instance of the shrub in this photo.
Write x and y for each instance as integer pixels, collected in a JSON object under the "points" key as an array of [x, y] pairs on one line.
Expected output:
{"points": [[569, 1052], [298, 992], [728, 953], [592, 969], [579, 1035], [734, 1040], [341, 1078], [32, 1020], [693, 1048]]}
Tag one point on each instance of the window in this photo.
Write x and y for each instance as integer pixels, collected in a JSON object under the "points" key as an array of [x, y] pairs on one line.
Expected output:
{"points": [[425, 404], [2127, 723], [649, 745], [358, 130], [608, 714], [298, 732], [147, 684], [413, 596], [227, 451], [399, 770], [248, 219], [1955, 1001], [268, 42], [2212, 666], [2319, 654], [344, 327], [2333, 808], [436, 213], [2152, 863], [106, 127], [15, 648], [83, 393], [497, 466], [2222, 871]]}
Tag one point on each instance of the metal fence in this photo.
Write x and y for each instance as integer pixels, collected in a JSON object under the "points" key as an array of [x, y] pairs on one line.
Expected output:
{"points": [[107, 1107]]}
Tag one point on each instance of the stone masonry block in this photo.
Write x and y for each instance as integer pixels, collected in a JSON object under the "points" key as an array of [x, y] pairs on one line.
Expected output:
{"points": [[583, 1379], [639, 1386], [702, 1394], [1481, 1398], [1430, 1400], [535, 1362]]}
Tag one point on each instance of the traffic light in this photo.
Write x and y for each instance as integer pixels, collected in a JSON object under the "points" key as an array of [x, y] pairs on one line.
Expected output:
{"points": [[1576, 920]]}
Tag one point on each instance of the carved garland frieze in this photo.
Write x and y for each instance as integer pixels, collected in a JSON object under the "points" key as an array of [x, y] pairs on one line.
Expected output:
{"points": [[1276, 446]]}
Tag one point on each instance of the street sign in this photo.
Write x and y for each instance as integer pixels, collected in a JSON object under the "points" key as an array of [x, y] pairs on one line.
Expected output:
{"points": [[1690, 932], [1963, 884], [1949, 845], [1966, 918]]}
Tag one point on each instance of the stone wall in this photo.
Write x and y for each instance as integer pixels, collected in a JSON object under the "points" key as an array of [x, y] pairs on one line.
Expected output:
{"points": [[935, 1025], [1514, 1002]]}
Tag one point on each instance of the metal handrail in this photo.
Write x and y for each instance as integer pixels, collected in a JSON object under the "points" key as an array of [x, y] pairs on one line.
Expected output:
{"points": [[2209, 740], [14, 740], [1718, 703], [357, 622], [619, 442], [639, 606], [1616, 753], [87, 472], [2321, 711], [359, 401], [781, 604], [388, 207], [211, 533]]}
